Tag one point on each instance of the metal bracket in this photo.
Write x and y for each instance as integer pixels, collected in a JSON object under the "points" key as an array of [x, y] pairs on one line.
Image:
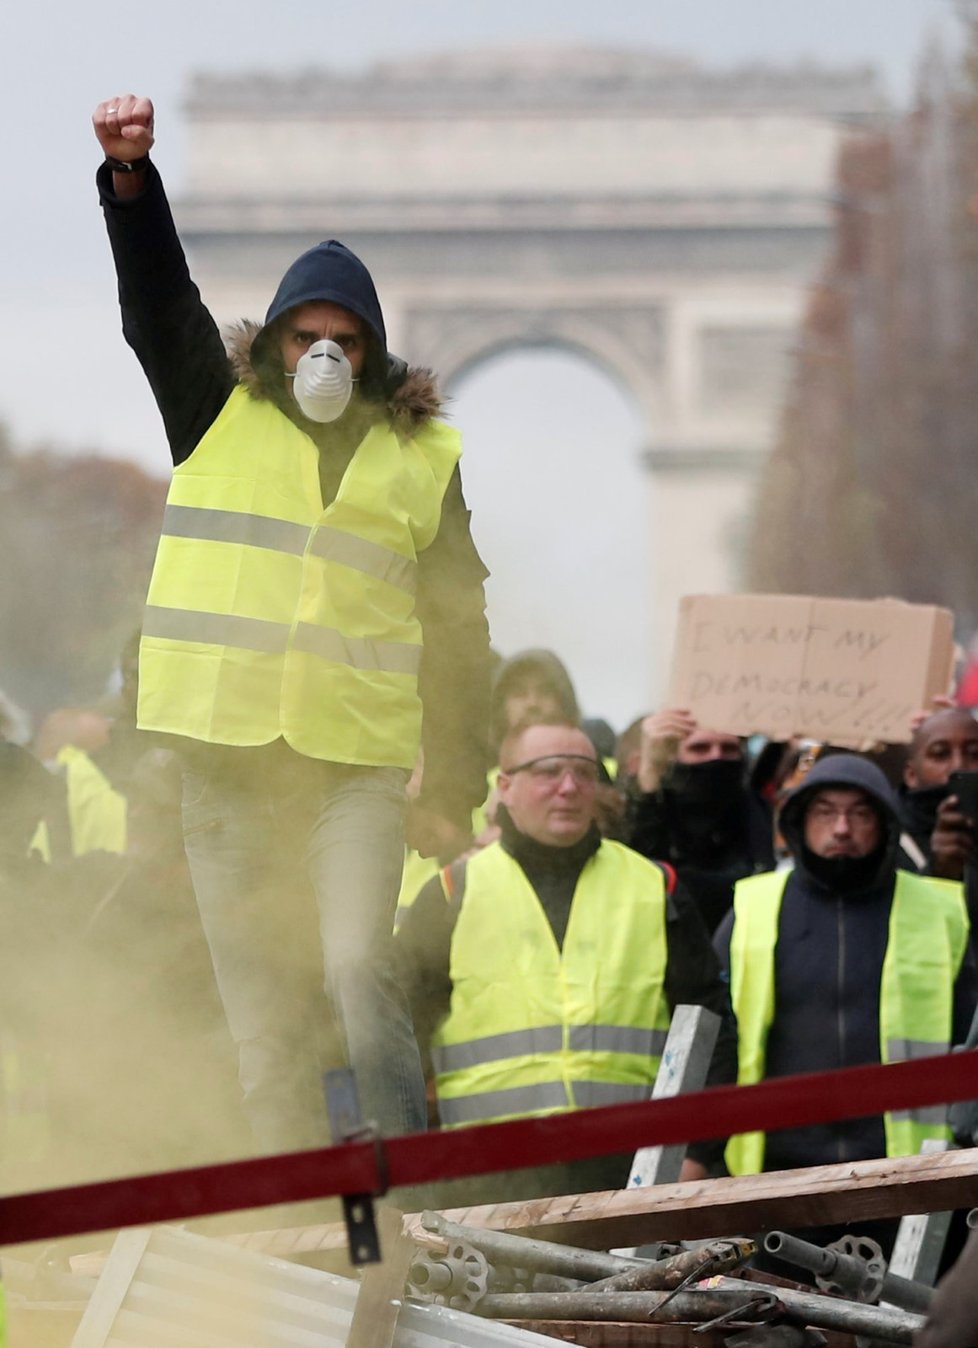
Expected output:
{"points": [[346, 1125]]}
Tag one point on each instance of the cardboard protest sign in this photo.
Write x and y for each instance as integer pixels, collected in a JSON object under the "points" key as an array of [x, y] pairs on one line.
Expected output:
{"points": [[839, 670]]}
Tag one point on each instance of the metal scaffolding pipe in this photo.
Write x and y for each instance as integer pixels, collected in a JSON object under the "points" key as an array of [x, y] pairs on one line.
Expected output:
{"points": [[719, 1256], [539, 1256], [700, 1306]]}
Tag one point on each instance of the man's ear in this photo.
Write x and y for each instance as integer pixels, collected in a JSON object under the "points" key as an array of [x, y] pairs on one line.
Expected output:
{"points": [[910, 776]]}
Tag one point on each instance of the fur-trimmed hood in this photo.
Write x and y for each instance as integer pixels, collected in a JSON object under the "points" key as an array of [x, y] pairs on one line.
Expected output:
{"points": [[411, 396]]}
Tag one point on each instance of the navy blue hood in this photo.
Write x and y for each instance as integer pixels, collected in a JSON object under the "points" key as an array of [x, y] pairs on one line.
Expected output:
{"points": [[330, 272], [843, 770]]}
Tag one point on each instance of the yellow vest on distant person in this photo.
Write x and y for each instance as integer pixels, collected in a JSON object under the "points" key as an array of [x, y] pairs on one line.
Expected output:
{"points": [[271, 616], [535, 1028], [928, 935], [96, 811]]}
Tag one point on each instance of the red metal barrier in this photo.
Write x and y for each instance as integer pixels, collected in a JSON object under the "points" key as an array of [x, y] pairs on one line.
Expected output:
{"points": [[421, 1158]]}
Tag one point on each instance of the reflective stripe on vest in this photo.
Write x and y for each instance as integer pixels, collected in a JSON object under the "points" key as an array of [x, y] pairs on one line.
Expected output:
{"points": [[258, 531], [535, 1029], [270, 616], [545, 1097], [928, 933], [253, 634], [549, 1039]]}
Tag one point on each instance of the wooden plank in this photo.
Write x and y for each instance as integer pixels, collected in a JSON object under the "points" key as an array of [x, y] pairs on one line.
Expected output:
{"points": [[379, 1299], [816, 1196]]}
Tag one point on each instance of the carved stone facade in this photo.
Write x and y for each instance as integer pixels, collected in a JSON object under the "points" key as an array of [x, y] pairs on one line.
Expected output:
{"points": [[661, 219]]}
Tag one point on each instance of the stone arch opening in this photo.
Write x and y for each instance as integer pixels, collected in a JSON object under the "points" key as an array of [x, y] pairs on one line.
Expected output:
{"points": [[554, 477]]}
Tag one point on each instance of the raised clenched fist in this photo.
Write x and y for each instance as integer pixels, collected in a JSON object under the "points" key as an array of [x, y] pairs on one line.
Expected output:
{"points": [[124, 126]]}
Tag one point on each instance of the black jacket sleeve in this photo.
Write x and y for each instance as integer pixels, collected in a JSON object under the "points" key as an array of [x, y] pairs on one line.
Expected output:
{"points": [[965, 996], [455, 666], [694, 978], [164, 320], [647, 825], [422, 959]]}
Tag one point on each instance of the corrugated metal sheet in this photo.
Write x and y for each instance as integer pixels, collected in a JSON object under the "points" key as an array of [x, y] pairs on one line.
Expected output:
{"points": [[166, 1288]]}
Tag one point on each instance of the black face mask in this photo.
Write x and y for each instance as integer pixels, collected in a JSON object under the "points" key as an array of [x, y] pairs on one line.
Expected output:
{"points": [[716, 783], [920, 807], [843, 875], [707, 806]]}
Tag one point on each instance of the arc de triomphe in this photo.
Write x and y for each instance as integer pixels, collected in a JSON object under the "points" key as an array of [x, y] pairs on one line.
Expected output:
{"points": [[663, 219]]}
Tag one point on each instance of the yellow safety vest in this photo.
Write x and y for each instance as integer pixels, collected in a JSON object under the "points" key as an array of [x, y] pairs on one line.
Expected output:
{"points": [[270, 616], [417, 871], [928, 935], [535, 1029], [96, 811]]}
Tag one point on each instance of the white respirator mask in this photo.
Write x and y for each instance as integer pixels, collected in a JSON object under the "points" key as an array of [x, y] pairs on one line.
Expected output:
{"points": [[323, 381]]}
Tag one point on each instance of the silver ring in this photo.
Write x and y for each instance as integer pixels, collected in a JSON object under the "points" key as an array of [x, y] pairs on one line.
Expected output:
{"points": [[109, 110]]}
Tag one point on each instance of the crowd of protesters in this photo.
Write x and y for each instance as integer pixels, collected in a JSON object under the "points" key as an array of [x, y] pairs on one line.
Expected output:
{"points": [[95, 883], [818, 900]]}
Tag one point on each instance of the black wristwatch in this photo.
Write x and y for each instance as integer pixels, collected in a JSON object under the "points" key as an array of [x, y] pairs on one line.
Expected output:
{"points": [[126, 165]]}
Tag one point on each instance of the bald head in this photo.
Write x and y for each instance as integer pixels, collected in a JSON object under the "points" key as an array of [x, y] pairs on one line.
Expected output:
{"points": [[946, 742]]}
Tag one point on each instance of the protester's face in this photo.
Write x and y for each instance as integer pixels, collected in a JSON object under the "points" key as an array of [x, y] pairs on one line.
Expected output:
{"points": [[705, 746], [552, 797], [841, 822], [946, 742], [313, 322], [530, 698]]}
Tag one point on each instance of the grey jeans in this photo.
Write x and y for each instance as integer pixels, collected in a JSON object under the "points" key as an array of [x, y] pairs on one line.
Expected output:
{"points": [[296, 866]]}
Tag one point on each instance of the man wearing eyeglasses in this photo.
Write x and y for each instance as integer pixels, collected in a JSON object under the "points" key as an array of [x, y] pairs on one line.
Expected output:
{"points": [[844, 959], [545, 967]]}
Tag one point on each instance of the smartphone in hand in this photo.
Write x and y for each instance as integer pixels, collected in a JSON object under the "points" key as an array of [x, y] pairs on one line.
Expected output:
{"points": [[964, 785]]}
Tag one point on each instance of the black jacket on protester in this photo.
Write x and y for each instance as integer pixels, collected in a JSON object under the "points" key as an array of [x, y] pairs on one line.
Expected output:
{"points": [[192, 374], [832, 938], [706, 822], [424, 940], [918, 810]]}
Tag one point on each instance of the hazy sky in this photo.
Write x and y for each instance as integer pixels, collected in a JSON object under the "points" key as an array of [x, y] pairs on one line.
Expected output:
{"points": [[68, 380], [62, 364]]}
